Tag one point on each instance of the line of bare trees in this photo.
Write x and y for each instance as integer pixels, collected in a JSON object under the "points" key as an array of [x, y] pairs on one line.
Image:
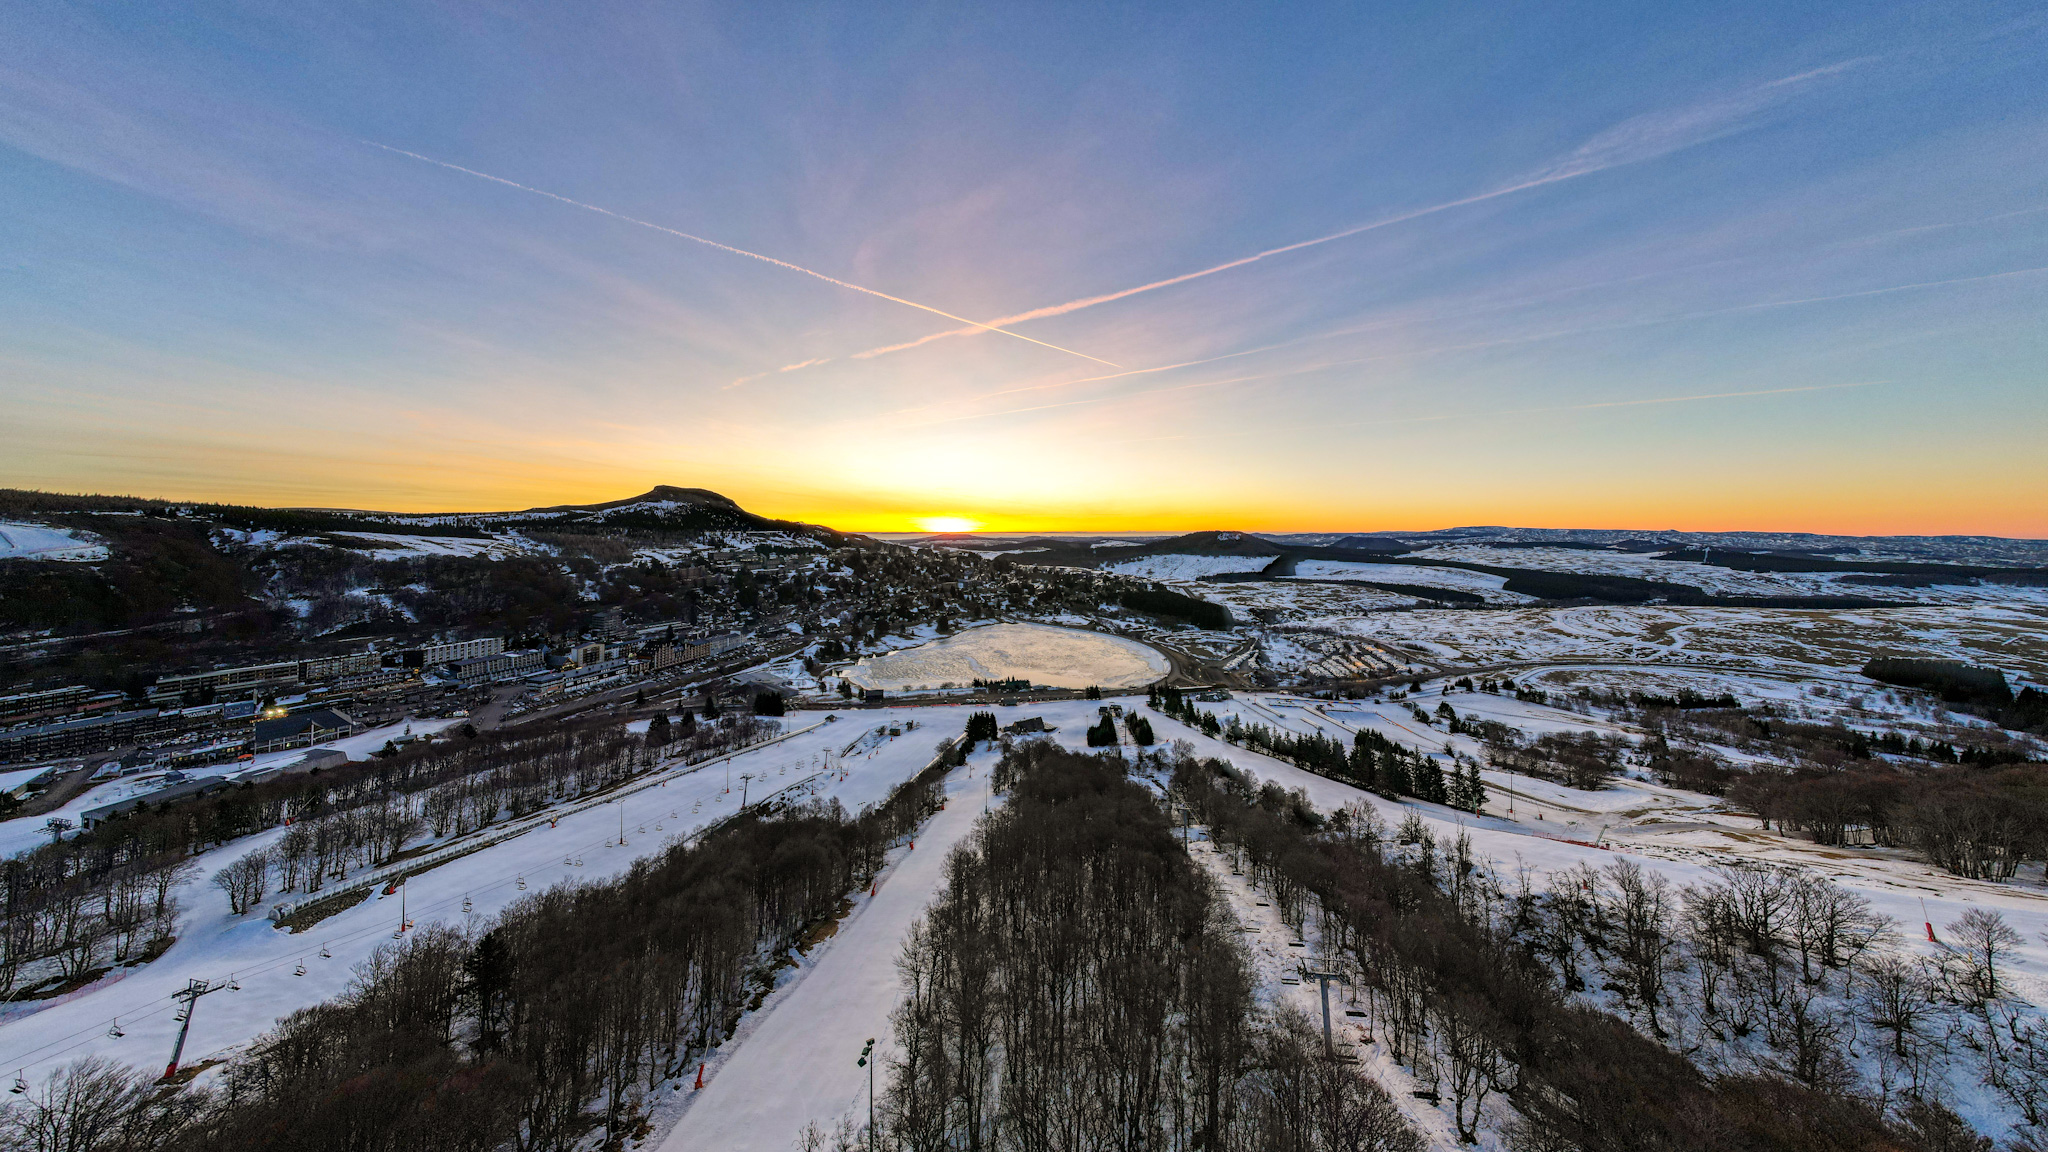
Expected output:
{"points": [[105, 896], [1974, 822], [1554, 1000]]}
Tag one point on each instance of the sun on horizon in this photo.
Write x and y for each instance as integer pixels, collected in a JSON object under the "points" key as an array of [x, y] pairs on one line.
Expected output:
{"points": [[947, 524]]}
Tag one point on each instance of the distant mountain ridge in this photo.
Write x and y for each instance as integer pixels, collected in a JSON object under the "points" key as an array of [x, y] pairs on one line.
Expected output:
{"points": [[664, 507], [1977, 551]]}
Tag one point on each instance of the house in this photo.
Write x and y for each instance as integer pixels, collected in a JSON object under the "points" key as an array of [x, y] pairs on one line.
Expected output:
{"points": [[1028, 725], [299, 730]]}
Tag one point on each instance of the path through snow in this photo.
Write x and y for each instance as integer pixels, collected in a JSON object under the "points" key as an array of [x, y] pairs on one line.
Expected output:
{"points": [[792, 1064]]}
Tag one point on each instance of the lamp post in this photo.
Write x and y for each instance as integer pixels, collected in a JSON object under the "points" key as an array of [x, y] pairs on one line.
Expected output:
{"points": [[863, 1062]]}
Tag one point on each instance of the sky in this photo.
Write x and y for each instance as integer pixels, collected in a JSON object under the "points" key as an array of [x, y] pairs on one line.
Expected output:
{"points": [[1770, 266]]}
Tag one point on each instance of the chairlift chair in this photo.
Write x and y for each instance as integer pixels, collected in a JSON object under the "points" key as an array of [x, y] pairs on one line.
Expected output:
{"points": [[300, 970], [115, 1033], [20, 1085]]}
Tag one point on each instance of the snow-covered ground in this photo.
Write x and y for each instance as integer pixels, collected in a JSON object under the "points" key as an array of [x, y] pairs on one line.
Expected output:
{"points": [[1059, 657], [792, 1063], [1723, 581], [1834, 642], [212, 945], [400, 546], [1542, 828], [1454, 579], [1179, 566], [42, 542]]}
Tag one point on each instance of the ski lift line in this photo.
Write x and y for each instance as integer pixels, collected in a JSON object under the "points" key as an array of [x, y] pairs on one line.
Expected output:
{"points": [[87, 1034], [434, 859], [83, 1036]]}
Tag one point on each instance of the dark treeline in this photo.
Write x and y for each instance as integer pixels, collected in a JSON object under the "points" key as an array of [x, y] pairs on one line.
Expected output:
{"points": [[105, 894], [1981, 824], [1372, 762], [1979, 690], [1464, 990], [548, 1026], [1164, 602], [1079, 985]]}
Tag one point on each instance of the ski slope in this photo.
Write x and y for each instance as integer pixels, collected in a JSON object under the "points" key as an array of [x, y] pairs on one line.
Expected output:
{"points": [[42, 542], [793, 1063], [654, 810]]}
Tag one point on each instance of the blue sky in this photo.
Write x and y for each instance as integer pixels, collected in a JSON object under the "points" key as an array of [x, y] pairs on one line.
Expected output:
{"points": [[1708, 266]]}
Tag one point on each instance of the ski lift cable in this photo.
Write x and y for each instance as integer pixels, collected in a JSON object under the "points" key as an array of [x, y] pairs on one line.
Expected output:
{"points": [[88, 1033]]}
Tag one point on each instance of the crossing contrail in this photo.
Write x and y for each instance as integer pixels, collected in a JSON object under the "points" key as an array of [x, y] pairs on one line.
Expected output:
{"points": [[1632, 141], [974, 325]]}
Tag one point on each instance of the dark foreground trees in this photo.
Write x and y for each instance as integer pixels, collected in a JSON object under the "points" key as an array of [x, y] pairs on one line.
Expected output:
{"points": [[1079, 986]]}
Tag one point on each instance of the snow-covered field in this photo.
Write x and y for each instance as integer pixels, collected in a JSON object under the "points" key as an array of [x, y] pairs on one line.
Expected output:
{"points": [[1178, 566], [1833, 642], [400, 546], [1298, 600], [1059, 657], [1454, 579], [1722, 581], [42, 542]]}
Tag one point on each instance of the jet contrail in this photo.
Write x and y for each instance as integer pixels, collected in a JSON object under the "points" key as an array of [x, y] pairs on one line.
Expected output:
{"points": [[975, 325], [1106, 297], [1637, 139]]}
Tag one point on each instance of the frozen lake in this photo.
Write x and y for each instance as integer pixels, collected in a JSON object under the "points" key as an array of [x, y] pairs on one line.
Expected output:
{"points": [[1040, 653]]}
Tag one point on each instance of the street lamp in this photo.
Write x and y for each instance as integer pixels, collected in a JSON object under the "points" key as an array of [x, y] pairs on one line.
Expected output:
{"points": [[863, 1062]]}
